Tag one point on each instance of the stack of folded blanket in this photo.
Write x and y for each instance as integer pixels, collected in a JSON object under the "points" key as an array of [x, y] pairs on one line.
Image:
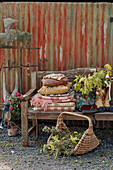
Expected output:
{"points": [[54, 95]]}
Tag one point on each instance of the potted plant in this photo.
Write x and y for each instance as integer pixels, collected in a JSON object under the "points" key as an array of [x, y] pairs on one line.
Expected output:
{"points": [[15, 113], [92, 87]]}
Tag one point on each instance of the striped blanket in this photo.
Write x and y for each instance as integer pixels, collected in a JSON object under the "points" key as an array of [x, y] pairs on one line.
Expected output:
{"points": [[53, 102]]}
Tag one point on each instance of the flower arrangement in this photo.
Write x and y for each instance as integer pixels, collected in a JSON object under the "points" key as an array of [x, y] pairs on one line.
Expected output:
{"points": [[2, 103], [4, 106], [15, 108], [14, 104], [61, 143], [99, 79]]}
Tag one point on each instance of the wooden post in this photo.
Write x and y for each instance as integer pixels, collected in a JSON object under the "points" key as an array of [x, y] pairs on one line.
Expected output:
{"points": [[33, 80], [34, 85], [24, 123], [21, 70]]}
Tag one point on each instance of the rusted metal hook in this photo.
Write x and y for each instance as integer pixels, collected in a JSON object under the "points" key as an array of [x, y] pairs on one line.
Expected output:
{"points": [[2, 65], [10, 65], [28, 69]]}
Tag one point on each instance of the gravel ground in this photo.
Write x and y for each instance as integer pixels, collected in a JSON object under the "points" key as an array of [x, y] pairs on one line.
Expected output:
{"points": [[13, 156]]}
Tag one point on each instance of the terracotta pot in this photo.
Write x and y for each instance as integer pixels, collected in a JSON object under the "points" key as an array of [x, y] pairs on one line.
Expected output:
{"points": [[12, 131]]}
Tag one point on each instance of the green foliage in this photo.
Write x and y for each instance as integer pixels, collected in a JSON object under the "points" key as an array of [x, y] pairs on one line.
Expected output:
{"points": [[15, 108], [2, 104], [85, 84], [61, 143]]}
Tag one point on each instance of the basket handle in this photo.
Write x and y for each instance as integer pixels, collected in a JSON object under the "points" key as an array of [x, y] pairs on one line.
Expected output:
{"points": [[89, 130]]}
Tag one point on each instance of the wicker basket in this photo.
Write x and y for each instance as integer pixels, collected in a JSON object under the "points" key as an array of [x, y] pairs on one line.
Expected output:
{"points": [[88, 140]]}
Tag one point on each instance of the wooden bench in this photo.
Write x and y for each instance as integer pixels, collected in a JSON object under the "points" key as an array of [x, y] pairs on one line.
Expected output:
{"points": [[27, 113]]}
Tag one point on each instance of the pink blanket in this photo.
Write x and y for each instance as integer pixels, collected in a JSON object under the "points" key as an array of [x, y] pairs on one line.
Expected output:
{"points": [[43, 101], [69, 109]]}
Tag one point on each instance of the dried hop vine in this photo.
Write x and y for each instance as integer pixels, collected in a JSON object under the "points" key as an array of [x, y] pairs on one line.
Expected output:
{"points": [[61, 143]]}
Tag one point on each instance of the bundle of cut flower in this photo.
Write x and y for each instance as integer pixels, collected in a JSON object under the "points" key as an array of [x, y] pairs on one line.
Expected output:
{"points": [[54, 95]]}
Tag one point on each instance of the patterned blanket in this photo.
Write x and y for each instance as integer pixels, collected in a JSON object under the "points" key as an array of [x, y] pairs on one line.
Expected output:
{"points": [[52, 101], [69, 109]]}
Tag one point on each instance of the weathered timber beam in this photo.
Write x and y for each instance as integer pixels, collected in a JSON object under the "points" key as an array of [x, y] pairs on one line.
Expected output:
{"points": [[102, 116], [31, 130], [29, 94]]}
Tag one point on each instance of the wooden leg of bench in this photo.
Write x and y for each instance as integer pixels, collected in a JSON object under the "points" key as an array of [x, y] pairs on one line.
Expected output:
{"points": [[36, 128], [24, 123], [35, 123]]}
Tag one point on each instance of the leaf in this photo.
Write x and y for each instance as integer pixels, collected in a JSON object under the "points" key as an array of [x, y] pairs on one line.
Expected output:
{"points": [[107, 66], [48, 155]]}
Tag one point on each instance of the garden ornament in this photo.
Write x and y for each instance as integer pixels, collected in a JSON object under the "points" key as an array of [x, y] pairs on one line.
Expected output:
{"points": [[6, 95], [15, 35], [12, 35], [24, 37], [16, 85], [8, 22], [7, 98]]}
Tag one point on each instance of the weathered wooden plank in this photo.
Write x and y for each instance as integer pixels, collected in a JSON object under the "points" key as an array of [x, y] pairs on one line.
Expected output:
{"points": [[100, 116], [24, 123], [46, 116], [69, 73], [33, 80], [29, 94], [104, 116]]}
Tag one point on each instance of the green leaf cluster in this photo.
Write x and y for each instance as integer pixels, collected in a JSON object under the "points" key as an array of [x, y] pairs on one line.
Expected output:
{"points": [[16, 109], [61, 143], [85, 84]]}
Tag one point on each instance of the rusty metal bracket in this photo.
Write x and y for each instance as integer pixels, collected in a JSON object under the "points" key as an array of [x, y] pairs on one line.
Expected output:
{"points": [[28, 69], [41, 64], [11, 65], [2, 65], [28, 66]]}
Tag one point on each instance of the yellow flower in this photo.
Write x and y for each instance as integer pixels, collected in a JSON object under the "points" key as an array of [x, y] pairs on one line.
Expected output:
{"points": [[75, 132], [109, 72], [63, 138], [51, 147], [73, 139], [107, 66], [56, 138]]}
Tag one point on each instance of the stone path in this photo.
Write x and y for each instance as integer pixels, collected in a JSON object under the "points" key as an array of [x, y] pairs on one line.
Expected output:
{"points": [[13, 156]]}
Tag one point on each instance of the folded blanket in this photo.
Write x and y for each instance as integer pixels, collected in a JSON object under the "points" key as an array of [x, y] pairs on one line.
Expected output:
{"points": [[52, 82], [45, 90], [37, 101], [68, 104], [54, 76], [70, 93], [54, 97], [69, 109]]}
